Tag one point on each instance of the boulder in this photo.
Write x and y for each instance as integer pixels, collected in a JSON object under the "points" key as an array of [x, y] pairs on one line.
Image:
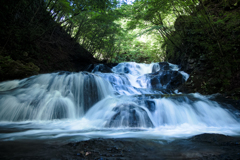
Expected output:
{"points": [[155, 68], [102, 68], [166, 79], [129, 115], [150, 105], [164, 66]]}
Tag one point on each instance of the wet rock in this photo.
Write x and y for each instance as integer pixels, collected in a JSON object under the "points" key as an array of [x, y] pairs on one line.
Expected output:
{"points": [[161, 66], [80, 155], [129, 115], [191, 61], [166, 79], [190, 66], [203, 58], [64, 73], [155, 68], [216, 139], [60, 110], [102, 68], [126, 70], [164, 66], [91, 92], [111, 65], [150, 105], [198, 147], [89, 68]]}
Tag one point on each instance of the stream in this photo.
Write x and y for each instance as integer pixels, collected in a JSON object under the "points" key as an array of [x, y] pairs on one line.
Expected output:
{"points": [[129, 100]]}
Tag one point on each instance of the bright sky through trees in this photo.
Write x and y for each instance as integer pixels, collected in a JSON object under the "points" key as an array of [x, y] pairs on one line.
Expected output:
{"points": [[127, 1], [130, 1]]}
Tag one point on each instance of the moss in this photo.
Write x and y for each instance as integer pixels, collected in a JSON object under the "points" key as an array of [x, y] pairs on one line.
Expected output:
{"points": [[11, 69], [217, 39], [33, 42]]}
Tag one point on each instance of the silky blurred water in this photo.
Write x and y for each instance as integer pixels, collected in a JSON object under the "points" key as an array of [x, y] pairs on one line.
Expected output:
{"points": [[121, 104]]}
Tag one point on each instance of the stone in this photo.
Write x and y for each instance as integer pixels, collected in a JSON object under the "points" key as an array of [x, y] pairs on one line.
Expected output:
{"points": [[129, 115], [191, 61], [102, 68], [150, 105], [164, 66], [166, 79]]}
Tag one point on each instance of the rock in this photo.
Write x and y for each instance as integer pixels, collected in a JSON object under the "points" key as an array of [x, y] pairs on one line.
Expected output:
{"points": [[89, 68], [166, 79], [111, 65], [216, 139], [102, 68], [130, 148], [161, 66], [155, 68], [191, 61], [190, 67], [164, 66], [150, 105], [15, 69], [202, 58], [126, 70], [129, 115]]}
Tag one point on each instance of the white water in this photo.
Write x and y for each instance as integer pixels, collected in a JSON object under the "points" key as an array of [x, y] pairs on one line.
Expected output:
{"points": [[50, 96], [122, 104]]}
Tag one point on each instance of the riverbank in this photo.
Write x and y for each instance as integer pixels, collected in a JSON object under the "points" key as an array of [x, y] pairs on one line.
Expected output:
{"points": [[204, 146]]}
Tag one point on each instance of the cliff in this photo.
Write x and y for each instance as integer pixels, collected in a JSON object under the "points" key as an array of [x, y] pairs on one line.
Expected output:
{"points": [[209, 50], [34, 43]]}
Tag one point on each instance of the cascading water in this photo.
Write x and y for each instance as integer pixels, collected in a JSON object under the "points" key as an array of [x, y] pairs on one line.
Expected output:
{"points": [[51, 96], [130, 100]]}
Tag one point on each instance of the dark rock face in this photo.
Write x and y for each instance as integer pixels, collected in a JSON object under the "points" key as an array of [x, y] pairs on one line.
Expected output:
{"points": [[126, 70], [161, 66], [129, 115], [155, 68], [91, 90], [150, 105], [111, 65], [164, 66], [42, 47], [60, 110], [166, 79], [102, 68], [213, 69], [216, 139], [124, 148]]}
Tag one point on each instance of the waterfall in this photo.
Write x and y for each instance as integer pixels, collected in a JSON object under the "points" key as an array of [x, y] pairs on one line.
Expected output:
{"points": [[112, 101], [51, 96]]}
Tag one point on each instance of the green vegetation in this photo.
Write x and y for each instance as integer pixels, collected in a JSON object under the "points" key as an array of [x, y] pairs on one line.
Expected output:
{"points": [[202, 36], [33, 40], [48, 35], [210, 36], [12, 68]]}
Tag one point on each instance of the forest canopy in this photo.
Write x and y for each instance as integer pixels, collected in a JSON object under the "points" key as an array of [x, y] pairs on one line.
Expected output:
{"points": [[200, 35], [117, 31]]}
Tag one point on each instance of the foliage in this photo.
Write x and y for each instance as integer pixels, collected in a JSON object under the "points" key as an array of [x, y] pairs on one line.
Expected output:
{"points": [[152, 21], [31, 38], [21, 25], [16, 69], [193, 29], [137, 42], [146, 31], [91, 23], [213, 32], [106, 33]]}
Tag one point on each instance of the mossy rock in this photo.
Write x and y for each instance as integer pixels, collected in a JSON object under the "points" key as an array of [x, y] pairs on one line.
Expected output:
{"points": [[11, 69]]}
